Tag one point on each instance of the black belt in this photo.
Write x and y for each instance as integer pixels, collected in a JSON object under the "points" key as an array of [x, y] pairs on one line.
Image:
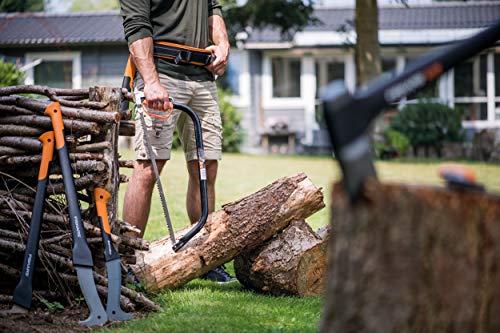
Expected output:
{"points": [[181, 54]]}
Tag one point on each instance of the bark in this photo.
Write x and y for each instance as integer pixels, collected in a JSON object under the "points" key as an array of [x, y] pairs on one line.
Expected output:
{"points": [[36, 159], [14, 110], [126, 164], [15, 130], [414, 259], [94, 147], [39, 107], [112, 98], [292, 263], [51, 93], [29, 144], [70, 125], [239, 226], [367, 50], [4, 150]]}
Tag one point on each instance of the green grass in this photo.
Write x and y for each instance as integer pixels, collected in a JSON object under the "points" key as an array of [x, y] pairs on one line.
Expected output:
{"points": [[202, 306]]}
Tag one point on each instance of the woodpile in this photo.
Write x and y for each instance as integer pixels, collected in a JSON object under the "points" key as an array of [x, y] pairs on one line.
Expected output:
{"points": [[92, 124], [414, 259]]}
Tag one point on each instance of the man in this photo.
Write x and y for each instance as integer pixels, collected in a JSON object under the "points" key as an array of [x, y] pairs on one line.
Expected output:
{"points": [[193, 23]]}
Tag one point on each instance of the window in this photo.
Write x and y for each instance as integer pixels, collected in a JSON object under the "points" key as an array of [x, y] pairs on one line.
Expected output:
{"points": [[286, 77], [54, 69], [231, 78], [328, 70], [470, 88], [470, 78], [56, 74], [497, 74]]}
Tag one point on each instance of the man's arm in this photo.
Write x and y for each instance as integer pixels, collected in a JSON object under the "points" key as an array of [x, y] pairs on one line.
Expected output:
{"points": [[142, 53], [218, 35], [139, 35]]}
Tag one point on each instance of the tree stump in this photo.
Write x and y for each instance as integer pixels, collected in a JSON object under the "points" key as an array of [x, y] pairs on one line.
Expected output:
{"points": [[239, 226], [414, 259], [292, 263]]}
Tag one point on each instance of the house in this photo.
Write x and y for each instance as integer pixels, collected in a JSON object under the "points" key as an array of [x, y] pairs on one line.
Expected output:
{"points": [[276, 81]]}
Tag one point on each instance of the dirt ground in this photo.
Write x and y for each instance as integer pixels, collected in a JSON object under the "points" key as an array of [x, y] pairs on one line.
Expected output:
{"points": [[40, 320]]}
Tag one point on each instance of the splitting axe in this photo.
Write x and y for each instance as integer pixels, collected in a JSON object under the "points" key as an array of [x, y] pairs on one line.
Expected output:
{"points": [[348, 116]]}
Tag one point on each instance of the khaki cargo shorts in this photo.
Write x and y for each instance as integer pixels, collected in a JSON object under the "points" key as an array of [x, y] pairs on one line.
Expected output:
{"points": [[202, 98]]}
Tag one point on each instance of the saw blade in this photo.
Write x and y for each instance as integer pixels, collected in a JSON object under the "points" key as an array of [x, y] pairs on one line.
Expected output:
{"points": [[151, 157]]}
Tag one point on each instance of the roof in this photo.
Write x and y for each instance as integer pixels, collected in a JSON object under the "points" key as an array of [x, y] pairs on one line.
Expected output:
{"points": [[438, 16], [49, 29], [106, 27]]}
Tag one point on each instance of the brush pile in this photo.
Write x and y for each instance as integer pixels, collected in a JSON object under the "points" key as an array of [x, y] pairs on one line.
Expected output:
{"points": [[92, 123]]}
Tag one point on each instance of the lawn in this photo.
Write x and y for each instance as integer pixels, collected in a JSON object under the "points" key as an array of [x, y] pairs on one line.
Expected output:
{"points": [[202, 306]]}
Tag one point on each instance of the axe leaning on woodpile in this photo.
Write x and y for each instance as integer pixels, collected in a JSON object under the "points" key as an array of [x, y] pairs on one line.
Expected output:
{"points": [[81, 254]]}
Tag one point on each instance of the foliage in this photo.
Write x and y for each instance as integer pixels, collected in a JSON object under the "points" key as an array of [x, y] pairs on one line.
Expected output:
{"points": [[94, 5], [232, 133], [429, 124], [10, 6], [9, 74], [287, 16], [52, 306], [393, 144]]}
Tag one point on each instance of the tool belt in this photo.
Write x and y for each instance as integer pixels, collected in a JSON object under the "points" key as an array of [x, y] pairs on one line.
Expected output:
{"points": [[181, 54]]}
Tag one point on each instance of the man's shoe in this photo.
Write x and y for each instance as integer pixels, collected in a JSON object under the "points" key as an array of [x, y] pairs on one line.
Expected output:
{"points": [[218, 274]]}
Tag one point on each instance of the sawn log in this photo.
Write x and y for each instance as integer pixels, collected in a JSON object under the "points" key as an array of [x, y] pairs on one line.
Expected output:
{"points": [[239, 226], [292, 263]]}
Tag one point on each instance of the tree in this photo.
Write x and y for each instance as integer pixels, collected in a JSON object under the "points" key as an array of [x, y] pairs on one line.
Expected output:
{"points": [[287, 16], [94, 5], [9, 6], [367, 50]]}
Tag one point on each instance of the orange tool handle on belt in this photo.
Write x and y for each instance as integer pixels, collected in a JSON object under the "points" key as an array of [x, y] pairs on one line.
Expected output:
{"points": [[47, 140], [101, 197]]}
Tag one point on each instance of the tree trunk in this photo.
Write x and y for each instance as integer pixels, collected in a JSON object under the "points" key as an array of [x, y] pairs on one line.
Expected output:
{"points": [[292, 263], [239, 226], [367, 54], [414, 259]]}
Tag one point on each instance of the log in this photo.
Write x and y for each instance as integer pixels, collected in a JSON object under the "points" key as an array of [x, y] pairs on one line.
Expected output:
{"points": [[9, 151], [127, 128], [239, 226], [15, 110], [70, 125], [39, 106], [29, 144], [414, 259], [52, 93], [35, 159], [292, 263], [15, 130]]}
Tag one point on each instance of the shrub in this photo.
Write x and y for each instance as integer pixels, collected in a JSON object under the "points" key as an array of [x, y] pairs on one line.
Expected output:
{"points": [[393, 144], [9, 74], [232, 132], [428, 124]]}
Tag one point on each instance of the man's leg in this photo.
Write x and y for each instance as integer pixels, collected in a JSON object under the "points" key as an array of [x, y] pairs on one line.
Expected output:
{"points": [[137, 203], [193, 200]]}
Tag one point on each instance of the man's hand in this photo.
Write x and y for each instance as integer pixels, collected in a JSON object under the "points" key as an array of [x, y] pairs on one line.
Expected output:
{"points": [[218, 67], [156, 96]]}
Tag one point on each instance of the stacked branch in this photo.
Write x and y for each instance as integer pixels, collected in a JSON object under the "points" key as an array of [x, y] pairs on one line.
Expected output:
{"points": [[91, 121]]}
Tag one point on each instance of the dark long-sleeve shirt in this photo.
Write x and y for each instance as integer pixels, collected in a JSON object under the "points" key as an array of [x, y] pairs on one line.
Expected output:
{"points": [[178, 21]]}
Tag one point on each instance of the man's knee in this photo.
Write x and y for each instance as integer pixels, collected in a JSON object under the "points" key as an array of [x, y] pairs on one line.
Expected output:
{"points": [[211, 168], [144, 171]]}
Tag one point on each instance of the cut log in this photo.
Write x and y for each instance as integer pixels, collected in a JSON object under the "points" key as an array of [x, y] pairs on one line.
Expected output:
{"points": [[292, 263], [414, 259], [239, 226]]}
